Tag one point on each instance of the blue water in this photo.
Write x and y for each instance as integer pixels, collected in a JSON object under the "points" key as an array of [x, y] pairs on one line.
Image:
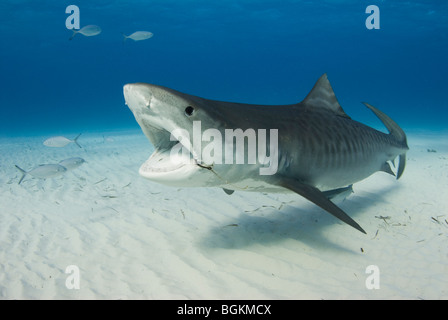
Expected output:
{"points": [[263, 52]]}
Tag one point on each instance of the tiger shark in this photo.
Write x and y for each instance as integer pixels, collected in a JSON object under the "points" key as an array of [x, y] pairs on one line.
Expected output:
{"points": [[318, 150]]}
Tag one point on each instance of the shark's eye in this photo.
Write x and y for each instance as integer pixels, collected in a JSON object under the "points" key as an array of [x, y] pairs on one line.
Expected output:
{"points": [[189, 110]]}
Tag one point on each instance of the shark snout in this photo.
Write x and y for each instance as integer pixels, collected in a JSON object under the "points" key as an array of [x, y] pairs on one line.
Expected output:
{"points": [[128, 93], [127, 90], [137, 96]]}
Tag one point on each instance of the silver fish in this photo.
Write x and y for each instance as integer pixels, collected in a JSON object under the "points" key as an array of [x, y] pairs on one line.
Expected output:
{"points": [[59, 141], [138, 36], [72, 163], [88, 31], [43, 171]]}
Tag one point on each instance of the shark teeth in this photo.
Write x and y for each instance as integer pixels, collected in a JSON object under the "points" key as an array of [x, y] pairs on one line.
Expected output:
{"points": [[161, 161], [164, 159]]}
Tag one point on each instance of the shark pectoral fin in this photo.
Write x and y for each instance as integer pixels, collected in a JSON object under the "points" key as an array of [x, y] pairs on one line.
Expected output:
{"points": [[318, 197], [228, 191]]}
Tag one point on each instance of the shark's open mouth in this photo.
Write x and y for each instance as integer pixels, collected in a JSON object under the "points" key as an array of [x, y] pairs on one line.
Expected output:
{"points": [[169, 154], [173, 161]]}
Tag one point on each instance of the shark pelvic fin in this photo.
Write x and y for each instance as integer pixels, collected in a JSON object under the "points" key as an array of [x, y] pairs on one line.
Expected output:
{"points": [[319, 198], [322, 96], [335, 193], [228, 191]]}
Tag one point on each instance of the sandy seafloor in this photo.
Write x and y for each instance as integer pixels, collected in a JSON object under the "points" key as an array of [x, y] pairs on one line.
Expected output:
{"points": [[135, 239]]}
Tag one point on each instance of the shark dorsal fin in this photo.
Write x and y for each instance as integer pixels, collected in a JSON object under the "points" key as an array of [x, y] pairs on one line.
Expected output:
{"points": [[322, 96]]}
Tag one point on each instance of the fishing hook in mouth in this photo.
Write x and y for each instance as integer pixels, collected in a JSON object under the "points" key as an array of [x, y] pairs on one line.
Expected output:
{"points": [[208, 167]]}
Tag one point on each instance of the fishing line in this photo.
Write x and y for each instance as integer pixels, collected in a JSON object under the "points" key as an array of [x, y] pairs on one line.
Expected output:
{"points": [[210, 168]]}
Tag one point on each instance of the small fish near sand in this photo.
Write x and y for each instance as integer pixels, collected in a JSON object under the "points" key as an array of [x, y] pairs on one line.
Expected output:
{"points": [[72, 163], [60, 141], [138, 36], [43, 171], [88, 31]]}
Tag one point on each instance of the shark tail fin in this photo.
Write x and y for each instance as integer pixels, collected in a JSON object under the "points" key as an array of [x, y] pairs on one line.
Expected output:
{"points": [[396, 132], [23, 174], [76, 140]]}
